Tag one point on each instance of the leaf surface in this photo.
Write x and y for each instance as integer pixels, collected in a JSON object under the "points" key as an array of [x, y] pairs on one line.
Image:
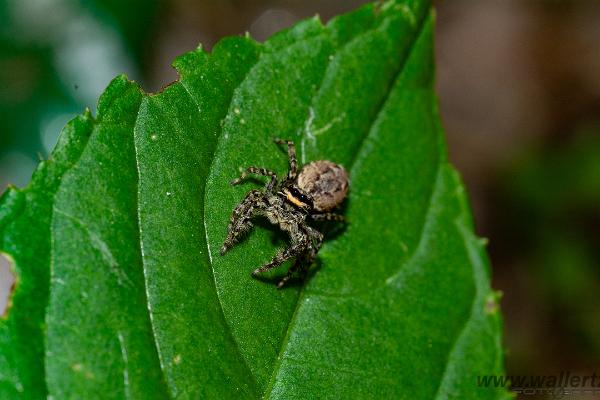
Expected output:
{"points": [[133, 299]]}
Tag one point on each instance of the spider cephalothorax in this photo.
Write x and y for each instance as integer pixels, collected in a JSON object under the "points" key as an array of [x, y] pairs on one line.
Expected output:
{"points": [[318, 188]]}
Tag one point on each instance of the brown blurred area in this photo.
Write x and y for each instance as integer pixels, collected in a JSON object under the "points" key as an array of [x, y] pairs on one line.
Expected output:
{"points": [[190, 22], [519, 89]]}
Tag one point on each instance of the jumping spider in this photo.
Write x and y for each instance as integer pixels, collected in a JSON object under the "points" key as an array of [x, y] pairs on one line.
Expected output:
{"points": [[318, 188]]}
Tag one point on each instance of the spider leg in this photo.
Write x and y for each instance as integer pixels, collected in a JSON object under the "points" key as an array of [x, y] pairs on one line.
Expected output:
{"points": [[297, 265], [260, 172], [291, 156], [284, 255], [328, 217], [316, 243], [304, 260], [240, 218]]}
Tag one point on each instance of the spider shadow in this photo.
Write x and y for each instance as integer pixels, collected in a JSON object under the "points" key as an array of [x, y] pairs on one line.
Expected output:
{"points": [[278, 237]]}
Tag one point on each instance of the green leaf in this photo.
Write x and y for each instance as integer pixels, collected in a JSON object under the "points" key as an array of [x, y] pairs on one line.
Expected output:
{"points": [[25, 218], [122, 293]]}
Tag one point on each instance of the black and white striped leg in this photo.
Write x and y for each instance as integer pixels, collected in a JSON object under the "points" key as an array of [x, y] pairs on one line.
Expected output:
{"points": [[291, 148], [304, 260], [298, 265], [260, 172], [240, 218], [284, 255], [328, 217]]}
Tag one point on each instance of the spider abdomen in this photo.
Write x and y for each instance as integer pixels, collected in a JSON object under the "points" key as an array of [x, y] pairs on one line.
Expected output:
{"points": [[326, 182]]}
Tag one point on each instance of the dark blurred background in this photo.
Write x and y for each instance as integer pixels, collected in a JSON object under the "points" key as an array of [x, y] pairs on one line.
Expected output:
{"points": [[519, 85]]}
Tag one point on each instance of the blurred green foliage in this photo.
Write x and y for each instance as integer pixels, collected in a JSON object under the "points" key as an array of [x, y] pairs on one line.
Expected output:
{"points": [[47, 51], [553, 193], [135, 20]]}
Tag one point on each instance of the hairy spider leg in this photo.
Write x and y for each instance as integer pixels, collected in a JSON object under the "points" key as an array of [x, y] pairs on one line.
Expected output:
{"points": [[291, 148], [299, 246], [260, 172], [240, 218], [317, 242], [297, 265], [328, 217], [305, 260]]}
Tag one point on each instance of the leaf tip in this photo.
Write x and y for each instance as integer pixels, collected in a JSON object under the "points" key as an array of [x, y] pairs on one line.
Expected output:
{"points": [[87, 114], [114, 100], [190, 61]]}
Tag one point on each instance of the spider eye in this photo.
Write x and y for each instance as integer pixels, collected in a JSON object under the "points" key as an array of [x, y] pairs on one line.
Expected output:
{"points": [[301, 197]]}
